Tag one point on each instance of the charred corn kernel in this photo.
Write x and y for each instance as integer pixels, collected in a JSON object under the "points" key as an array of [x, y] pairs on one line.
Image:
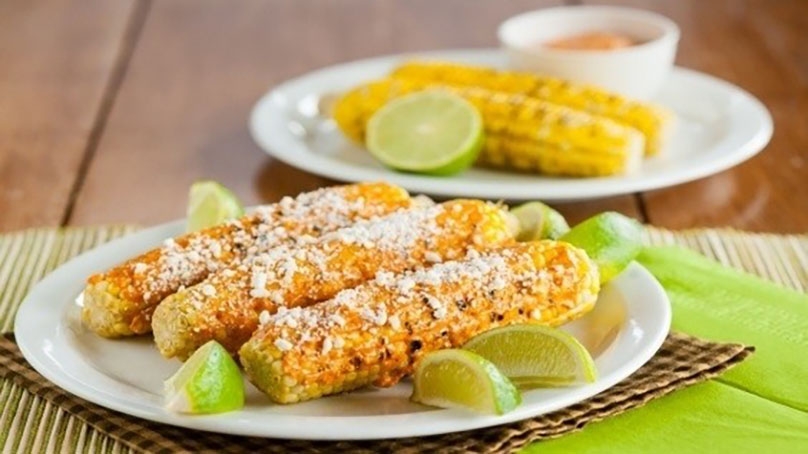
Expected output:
{"points": [[653, 121], [229, 305], [120, 302], [377, 331], [522, 133], [508, 153]]}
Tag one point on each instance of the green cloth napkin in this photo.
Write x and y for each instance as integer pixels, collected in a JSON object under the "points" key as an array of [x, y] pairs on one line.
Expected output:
{"points": [[722, 304], [709, 417], [759, 406]]}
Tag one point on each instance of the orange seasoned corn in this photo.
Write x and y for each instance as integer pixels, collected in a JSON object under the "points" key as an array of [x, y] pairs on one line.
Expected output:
{"points": [[120, 301], [376, 332], [654, 122], [228, 305], [522, 133]]}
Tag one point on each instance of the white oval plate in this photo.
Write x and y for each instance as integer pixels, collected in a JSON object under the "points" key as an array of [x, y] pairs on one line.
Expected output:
{"points": [[719, 126], [627, 327]]}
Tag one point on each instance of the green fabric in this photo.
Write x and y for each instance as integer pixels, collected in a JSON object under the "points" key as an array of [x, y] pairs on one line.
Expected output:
{"points": [[719, 303], [709, 417], [759, 406]]}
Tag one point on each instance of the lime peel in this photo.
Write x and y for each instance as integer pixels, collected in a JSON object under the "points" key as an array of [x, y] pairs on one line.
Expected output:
{"points": [[535, 355], [455, 378], [611, 240], [209, 382], [537, 221], [432, 132], [209, 204]]}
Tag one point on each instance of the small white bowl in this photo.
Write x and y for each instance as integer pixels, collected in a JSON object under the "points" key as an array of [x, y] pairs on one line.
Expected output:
{"points": [[637, 71]]}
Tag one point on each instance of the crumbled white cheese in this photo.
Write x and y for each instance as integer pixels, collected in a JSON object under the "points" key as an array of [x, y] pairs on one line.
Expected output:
{"points": [[406, 284], [327, 345], [288, 268], [263, 318], [208, 290], [307, 216], [385, 278], [377, 317], [433, 257], [336, 318], [258, 284], [498, 283], [438, 308], [283, 344], [216, 249]]}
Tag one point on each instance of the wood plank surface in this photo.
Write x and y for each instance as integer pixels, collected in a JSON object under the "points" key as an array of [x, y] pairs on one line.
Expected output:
{"points": [[761, 46], [200, 65], [56, 58]]}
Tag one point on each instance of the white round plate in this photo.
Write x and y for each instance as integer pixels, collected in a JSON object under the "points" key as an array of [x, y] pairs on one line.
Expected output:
{"points": [[626, 328], [719, 126]]}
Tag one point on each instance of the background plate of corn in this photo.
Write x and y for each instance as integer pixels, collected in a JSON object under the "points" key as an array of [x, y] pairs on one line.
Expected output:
{"points": [[587, 148], [629, 323]]}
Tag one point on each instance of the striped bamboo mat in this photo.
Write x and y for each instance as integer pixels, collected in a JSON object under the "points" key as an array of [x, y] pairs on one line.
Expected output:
{"points": [[30, 424]]}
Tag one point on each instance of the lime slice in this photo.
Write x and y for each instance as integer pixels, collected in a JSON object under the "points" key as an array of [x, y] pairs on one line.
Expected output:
{"points": [[538, 221], [432, 132], [535, 355], [610, 239], [209, 382], [461, 379], [210, 203]]}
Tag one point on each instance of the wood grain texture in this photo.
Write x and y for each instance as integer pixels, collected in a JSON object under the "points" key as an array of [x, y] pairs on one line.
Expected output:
{"points": [[55, 61], [200, 65], [761, 46]]}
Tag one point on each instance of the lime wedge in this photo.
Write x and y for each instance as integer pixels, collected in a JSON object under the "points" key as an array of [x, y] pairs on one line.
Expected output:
{"points": [[209, 382], [461, 379], [432, 132], [538, 221], [535, 355], [610, 239], [209, 204]]}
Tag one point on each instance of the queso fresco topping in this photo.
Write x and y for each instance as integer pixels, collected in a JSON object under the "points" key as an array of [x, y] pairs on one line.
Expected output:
{"points": [[592, 41]]}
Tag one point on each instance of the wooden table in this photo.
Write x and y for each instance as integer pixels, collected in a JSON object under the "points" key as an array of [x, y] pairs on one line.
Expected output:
{"points": [[110, 109]]}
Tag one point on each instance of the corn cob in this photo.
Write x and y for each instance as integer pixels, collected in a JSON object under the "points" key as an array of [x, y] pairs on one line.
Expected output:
{"points": [[654, 121], [120, 301], [376, 332], [521, 133], [226, 306]]}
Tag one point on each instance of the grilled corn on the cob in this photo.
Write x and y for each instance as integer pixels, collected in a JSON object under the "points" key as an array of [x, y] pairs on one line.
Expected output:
{"points": [[226, 306], [376, 332], [120, 301], [653, 121], [522, 133]]}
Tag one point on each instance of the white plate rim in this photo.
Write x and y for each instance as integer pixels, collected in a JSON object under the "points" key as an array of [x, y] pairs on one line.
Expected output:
{"points": [[280, 143], [38, 321]]}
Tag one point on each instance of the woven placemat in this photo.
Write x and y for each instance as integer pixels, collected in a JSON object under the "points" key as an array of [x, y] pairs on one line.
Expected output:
{"points": [[682, 361], [41, 421]]}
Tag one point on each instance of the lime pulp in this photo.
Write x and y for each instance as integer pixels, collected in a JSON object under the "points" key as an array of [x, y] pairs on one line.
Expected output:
{"points": [[535, 355], [432, 132], [538, 221], [456, 378], [209, 204], [209, 382]]}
